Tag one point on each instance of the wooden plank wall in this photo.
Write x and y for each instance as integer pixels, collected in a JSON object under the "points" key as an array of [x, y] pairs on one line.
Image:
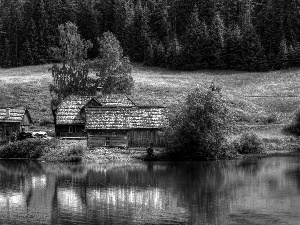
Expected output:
{"points": [[99, 140], [142, 138], [13, 128], [63, 131]]}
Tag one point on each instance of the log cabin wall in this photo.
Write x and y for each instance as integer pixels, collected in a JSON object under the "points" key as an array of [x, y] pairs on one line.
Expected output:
{"points": [[7, 130], [128, 138], [142, 138], [70, 130], [107, 138]]}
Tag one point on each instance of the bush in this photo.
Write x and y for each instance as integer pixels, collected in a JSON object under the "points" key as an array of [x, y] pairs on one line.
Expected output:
{"points": [[29, 149], [197, 131], [57, 153], [294, 128], [248, 143]]}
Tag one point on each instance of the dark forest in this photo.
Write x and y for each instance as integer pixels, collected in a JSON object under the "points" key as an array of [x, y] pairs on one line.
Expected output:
{"points": [[247, 35]]}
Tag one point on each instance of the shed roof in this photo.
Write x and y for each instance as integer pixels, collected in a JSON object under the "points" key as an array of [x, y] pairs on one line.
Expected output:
{"points": [[125, 118], [68, 111], [16, 114], [116, 100]]}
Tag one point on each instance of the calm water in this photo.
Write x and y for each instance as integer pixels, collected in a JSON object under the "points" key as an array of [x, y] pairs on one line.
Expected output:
{"points": [[260, 191]]}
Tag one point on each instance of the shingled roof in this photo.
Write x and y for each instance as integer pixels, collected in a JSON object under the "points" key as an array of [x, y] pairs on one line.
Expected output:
{"points": [[125, 117], [16, 114], [68, 111], [115, 100]]}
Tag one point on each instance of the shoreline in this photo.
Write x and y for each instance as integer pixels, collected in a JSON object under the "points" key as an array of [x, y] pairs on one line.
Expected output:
{"points": [[273, 147]]}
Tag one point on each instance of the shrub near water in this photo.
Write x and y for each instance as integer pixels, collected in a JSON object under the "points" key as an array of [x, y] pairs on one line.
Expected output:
{"points": [[294, 128], [30, 149], [58, 153], [197, 131], [249, 143]]}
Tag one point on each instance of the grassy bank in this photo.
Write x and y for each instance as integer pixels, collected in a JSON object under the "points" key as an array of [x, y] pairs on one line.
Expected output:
{"points": [[54, 151], [252, 97], [262, 103], [44, 150]]}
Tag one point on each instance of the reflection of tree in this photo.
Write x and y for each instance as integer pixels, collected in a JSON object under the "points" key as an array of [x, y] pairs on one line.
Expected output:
{"points": [[205, 188], [250, 166], [148, 192], [294, 174], [14, 172], [20, 167]]}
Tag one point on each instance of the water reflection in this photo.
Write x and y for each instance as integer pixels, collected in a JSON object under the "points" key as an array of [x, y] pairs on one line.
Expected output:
{"points": [[262, 191]]}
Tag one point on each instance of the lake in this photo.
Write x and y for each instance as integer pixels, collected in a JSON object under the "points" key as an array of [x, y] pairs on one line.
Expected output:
{"points": [[253, 191]]}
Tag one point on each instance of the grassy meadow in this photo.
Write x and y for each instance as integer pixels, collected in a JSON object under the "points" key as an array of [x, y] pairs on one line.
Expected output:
{"points": [[252, 98]]}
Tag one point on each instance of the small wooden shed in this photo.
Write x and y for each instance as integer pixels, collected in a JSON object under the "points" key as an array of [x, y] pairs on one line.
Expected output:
{"points": [[125, 126], [13, 120], [70, 115]]}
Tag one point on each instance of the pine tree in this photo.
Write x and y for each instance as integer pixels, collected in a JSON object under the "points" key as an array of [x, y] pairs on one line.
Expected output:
{"points": [[253, 58], [231, 12], [269, 28], [139, 33], [87, 24], [196, 42], [215, 52], [283, 54], [43, 32], [173, 57], [245, 15], [233, 54], [13, 35]]}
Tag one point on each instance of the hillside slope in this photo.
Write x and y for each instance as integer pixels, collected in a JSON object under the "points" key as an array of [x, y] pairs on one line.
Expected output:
{"points": [[253, 98]]}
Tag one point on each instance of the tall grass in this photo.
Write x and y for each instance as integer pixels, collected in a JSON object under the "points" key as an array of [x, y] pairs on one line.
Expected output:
{"points": [[70, 153], [46, 150], [28, 149]]}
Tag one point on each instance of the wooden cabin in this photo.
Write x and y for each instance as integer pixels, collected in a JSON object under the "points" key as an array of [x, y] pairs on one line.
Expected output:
{"points": [[110, 120], [125, 126], [13, 120], [70, 116]]}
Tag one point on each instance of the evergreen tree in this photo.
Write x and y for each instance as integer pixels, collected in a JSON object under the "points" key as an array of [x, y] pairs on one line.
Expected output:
{"points": [[196, 40], [173, 57], [87, 24], [233, 54], [270, 29], [42, 27], [12, 36], [31, 47], [253, 58], [215, 50], [231, 12], [139, 32], [283, 54]]}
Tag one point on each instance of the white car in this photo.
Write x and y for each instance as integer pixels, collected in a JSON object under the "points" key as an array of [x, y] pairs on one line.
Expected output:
{"points": [[40, 134]]}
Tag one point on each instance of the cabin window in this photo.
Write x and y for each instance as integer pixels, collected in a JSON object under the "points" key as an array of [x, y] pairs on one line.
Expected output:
{"points": [[23, 129], [107, 141], [70, 129]]}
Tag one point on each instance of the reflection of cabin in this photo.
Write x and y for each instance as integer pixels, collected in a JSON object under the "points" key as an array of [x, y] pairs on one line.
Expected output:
{"points": [[13, 120], [125, 126], [110, 120]]}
